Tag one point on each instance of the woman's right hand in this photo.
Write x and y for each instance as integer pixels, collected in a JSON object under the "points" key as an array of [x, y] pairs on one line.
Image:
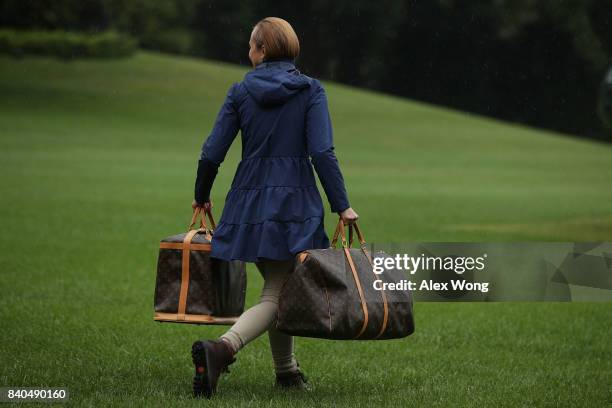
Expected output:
{"points": [[349, 216]]}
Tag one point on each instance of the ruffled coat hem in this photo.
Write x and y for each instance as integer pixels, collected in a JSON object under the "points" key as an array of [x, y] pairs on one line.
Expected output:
{"points": [[269, 239]]}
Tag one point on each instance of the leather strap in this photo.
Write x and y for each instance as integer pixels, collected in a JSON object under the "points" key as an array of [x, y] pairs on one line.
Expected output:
{"points": [[179, 245], [362, 243], [385, 314], [192, 318], [350, 240], [186, 247], [383, 327], [197, 211], [182, 305], [364, 305], [211, 219], [322, 278], [203, 213], [336, 233], [349, 258], [359, 234]]}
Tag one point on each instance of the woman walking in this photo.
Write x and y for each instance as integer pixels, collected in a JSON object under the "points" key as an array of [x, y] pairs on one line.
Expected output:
{"points": [[273, 210]]}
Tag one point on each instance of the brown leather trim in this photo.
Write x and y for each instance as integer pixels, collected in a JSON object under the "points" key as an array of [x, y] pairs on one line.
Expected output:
{"points": [[359, 234], [336, 233], [327, 297], [365, 252], [191, 318], [211, 219], [194, 217], [199, 211], [203, 213], [180, 245], [362, 243], [182, 305], [364, 306], [382, 294], [385, 315], [302, 256]]}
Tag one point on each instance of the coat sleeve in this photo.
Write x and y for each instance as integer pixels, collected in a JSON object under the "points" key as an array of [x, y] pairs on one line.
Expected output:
{"points": [[217, 144], [319, 140]]}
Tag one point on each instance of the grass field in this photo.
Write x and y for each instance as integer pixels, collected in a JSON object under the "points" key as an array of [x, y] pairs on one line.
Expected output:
{"points": [[98, 163]]}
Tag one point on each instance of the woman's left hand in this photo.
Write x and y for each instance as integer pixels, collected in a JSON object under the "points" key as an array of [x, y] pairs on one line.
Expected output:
{"points": [[207, 205]]}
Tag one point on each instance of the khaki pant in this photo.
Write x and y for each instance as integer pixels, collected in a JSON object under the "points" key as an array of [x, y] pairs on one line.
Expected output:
{"points": [[262, 317]]}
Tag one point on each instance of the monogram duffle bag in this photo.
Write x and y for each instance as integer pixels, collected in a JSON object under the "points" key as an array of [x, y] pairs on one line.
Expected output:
{"points": [[192, 287], [332, 294]]}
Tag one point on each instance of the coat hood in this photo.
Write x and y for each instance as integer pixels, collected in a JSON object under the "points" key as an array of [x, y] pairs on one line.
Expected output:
{"points": [[273, 82]]}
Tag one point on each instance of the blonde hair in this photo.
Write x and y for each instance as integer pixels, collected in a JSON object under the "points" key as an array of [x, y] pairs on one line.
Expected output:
{"points": [[278, 37]]}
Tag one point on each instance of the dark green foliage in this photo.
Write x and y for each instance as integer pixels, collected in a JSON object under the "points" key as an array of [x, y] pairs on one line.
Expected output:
{"points": [[66, 44], [537, 62], [177, 41], [605, 101]]}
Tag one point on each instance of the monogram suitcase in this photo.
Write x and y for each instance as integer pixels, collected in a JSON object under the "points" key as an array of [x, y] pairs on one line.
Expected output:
{"points": [[192, 287], [331, 294]]}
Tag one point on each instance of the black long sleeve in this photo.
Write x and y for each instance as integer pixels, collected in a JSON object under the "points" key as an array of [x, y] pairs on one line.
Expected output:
{"points": [[215, 147], [207, 171]]}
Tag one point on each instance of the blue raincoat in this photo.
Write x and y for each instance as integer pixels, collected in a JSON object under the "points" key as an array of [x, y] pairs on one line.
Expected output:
{"points": [[273, 209]]}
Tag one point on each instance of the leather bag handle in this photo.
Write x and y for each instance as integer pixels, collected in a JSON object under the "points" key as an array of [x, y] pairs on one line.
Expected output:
{"points": [[203, 226], [339, 232]]}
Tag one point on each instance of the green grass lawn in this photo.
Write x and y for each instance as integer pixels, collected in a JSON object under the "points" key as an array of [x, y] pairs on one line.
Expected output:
{"points": [[98, 164]]}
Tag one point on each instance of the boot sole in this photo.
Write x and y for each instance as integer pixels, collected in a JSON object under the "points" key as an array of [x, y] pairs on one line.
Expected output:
{"points": [[201, 382]]}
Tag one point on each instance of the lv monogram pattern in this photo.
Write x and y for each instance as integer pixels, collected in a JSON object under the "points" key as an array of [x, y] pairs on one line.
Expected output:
{"points": [[320, 299], [216, 287]]}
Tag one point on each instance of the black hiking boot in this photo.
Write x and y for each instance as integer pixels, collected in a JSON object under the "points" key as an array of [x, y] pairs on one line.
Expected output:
{"points": [[210, 359]]}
